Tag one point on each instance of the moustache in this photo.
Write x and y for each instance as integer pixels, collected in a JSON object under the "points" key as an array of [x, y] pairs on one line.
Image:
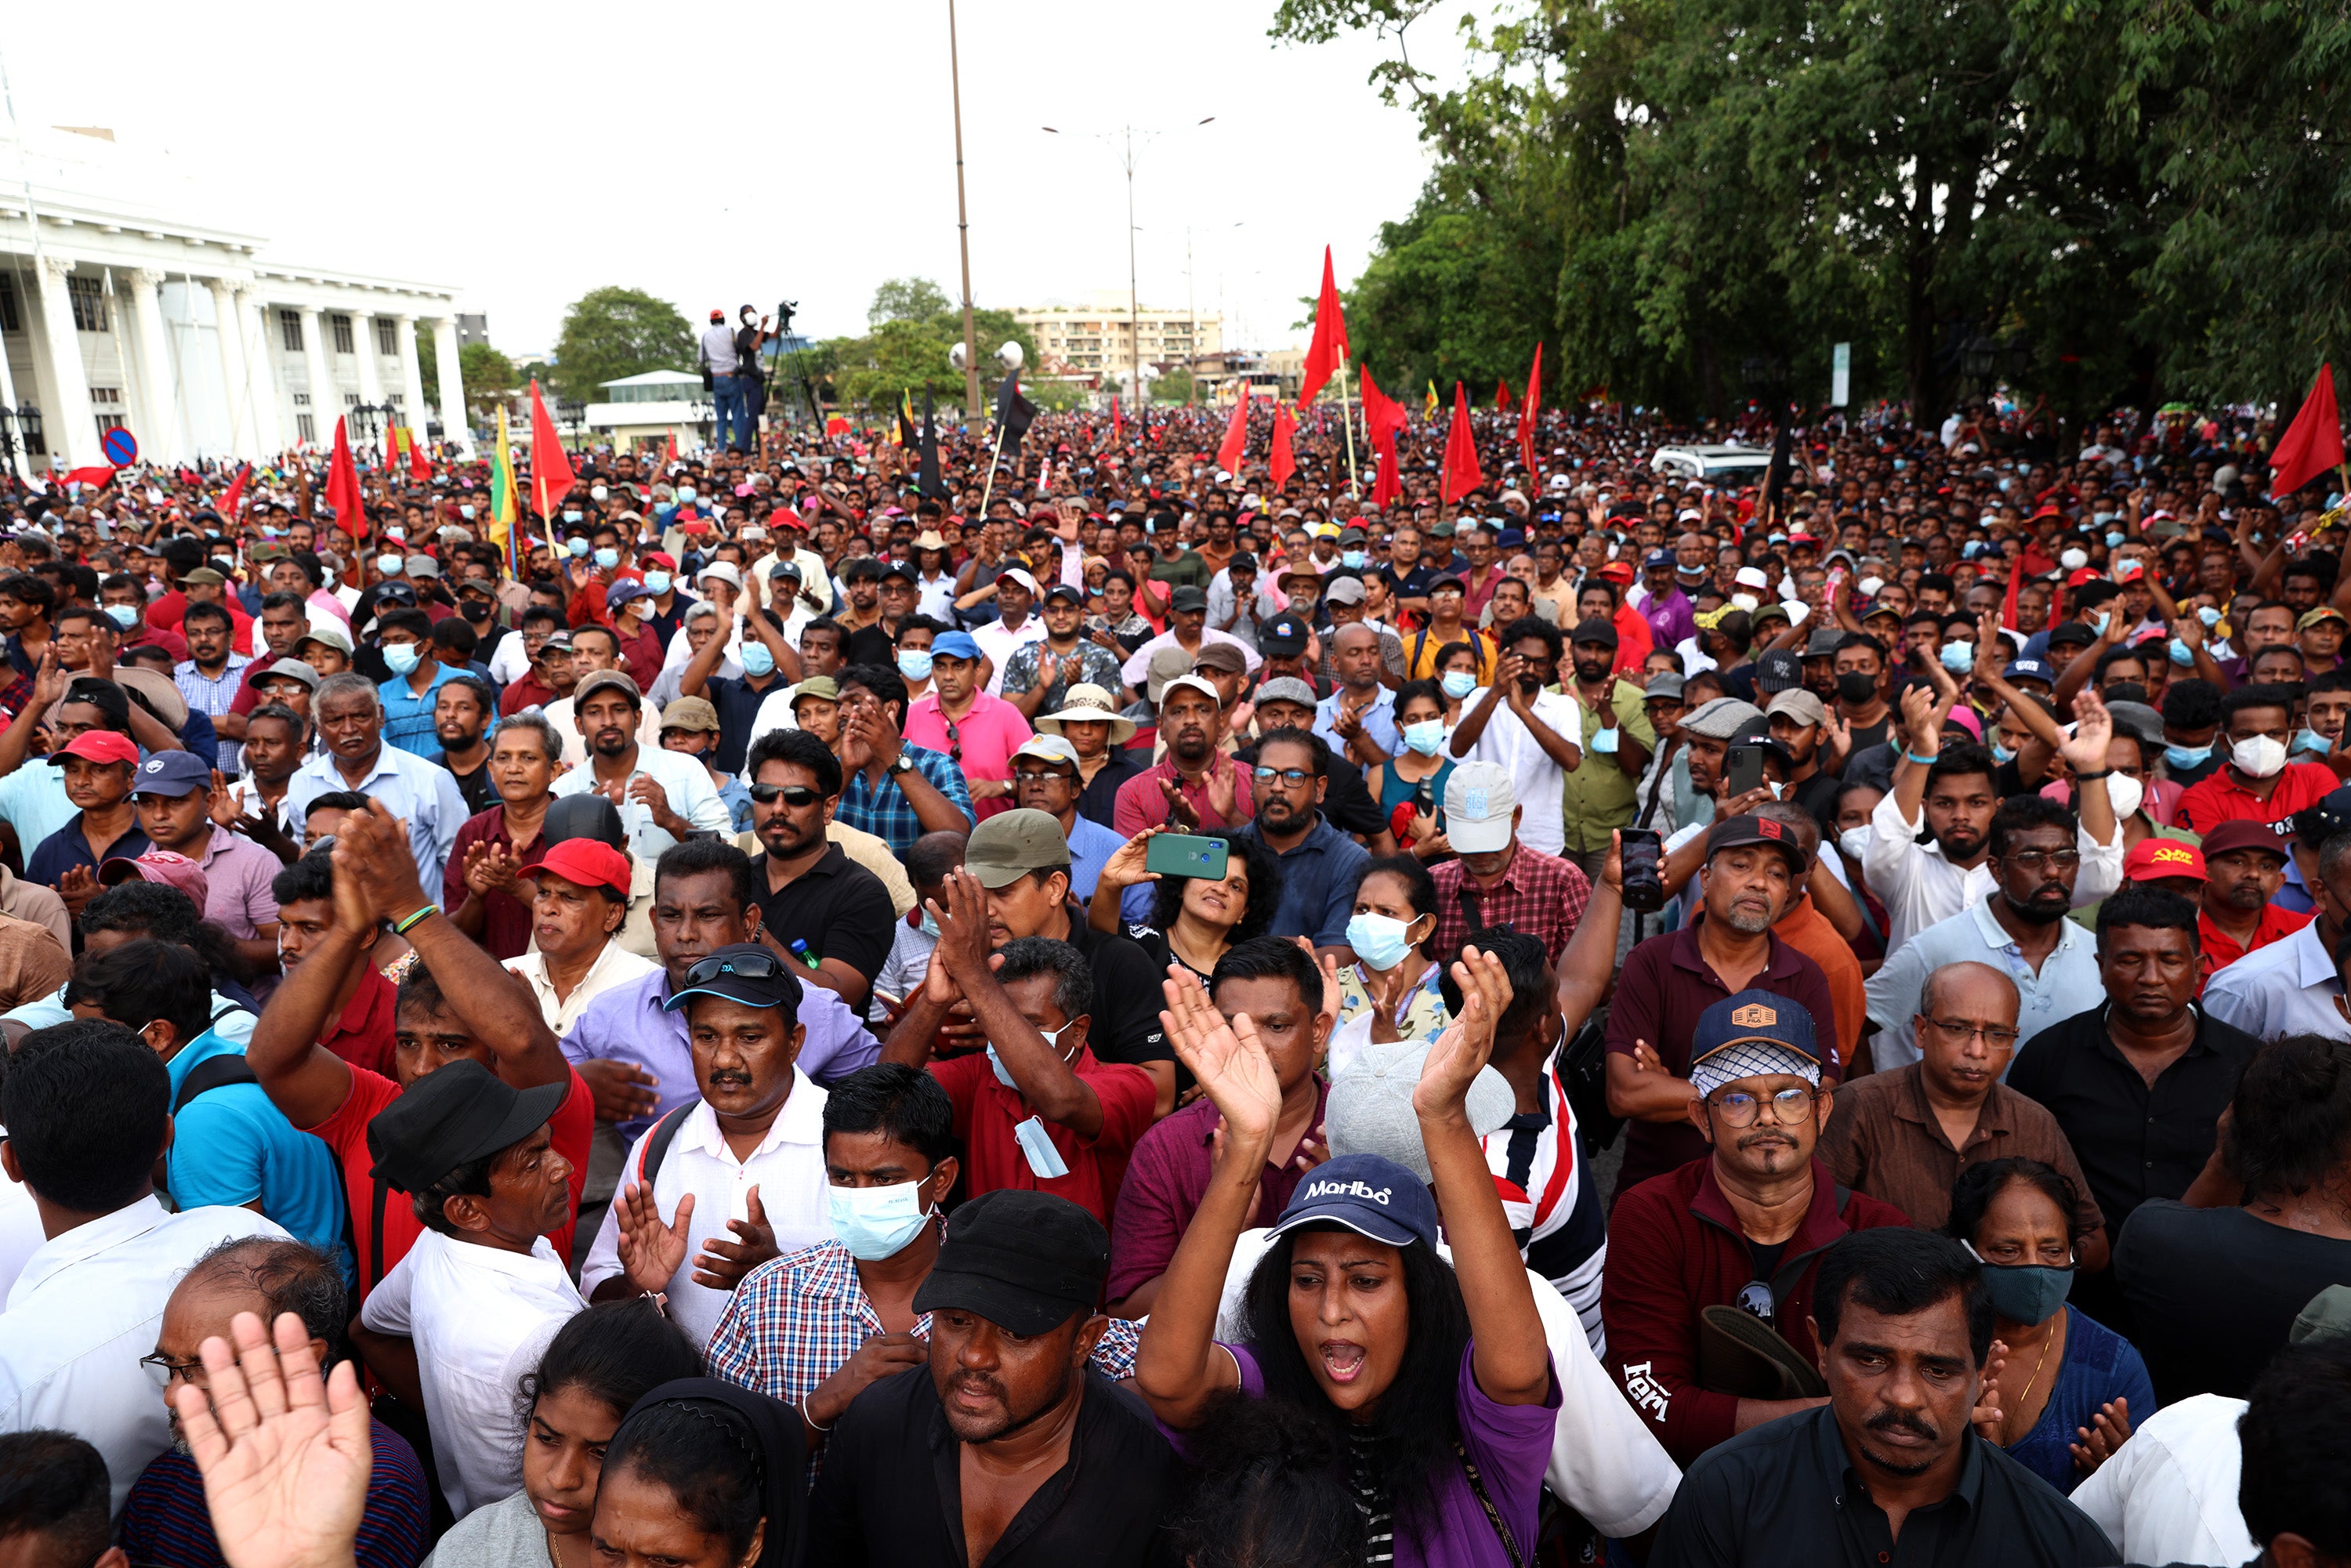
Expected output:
{"points": [[1898, 1421], [978, 1383]]}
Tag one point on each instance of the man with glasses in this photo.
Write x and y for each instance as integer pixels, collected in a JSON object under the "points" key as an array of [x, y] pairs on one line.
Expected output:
{"points": [[1742, 1227], [1319, 865], [1045, 778], [830, 913]]}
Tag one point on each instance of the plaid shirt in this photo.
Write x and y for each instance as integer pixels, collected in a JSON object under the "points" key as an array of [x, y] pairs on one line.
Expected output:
{"points": [[1540, 896], [796, 1320], [210, 696], [883, 810]]}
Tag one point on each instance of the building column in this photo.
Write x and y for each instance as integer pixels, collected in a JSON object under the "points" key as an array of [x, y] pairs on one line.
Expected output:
{"points": [[325, 399], [455, 426], [412, 374], [370, 367], [231, 353], [71, 428], [158, 402], [268, 401]]}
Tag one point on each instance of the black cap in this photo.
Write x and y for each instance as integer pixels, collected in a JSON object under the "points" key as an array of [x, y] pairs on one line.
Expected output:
{"points": [[1065, 590], [1187, 598], [1733, 831], [1779, 670], [2071, 632], [452, 1115], [584, 816], [1027, 1262], [1284, 637], [900, 569], [750, 973], [1446, 579], [1594, 630]]}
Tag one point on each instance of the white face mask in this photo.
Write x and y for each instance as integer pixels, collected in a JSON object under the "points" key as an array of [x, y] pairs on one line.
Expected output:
{"points": [[2125, 793], [2259, 756], [1854, 842]]}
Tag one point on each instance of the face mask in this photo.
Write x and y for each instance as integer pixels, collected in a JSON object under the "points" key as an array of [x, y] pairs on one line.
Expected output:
{"points": [[2002, 753], [2102, 518], [123, 615], [608, 558], [1426, 736], [467, 513], [1856, 688], [2180, 653], [658, 582], [2026, 1292], [2186, 757], [2259, 756], [475, 609], [1746, 602], [389, 564], [684, 494], [1959, 657], [1900, 465], [756, 660], [1854, 842], [577, 547], [930, 927], [597, 492], [572, 514], [1379, 940], [2209, 616], [2114, 538], [1459, 683], [914, 664], [2099, 625], [2005, 482], [1353, 559], [2311, 740], [400, 658], [875, 1222], [996, 1063], [2073, 559], [395, 533]]}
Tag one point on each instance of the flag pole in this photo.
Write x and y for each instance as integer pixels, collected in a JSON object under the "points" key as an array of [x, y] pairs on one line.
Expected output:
{"points": [[988, 488], [1354, 484]]}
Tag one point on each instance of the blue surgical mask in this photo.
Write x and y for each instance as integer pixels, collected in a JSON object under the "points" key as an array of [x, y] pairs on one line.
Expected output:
{"points": [[465, 512], [1426, 736], [2181, 654], [2114, 538], [930, 926], [1459, 683], [400, 658], [389, 564], [657, 582], [1381, 941], [572, 514], [1353, 559], [577, 547], [608, 558], [875, 1222], [2311, 740], [684, 494], [123, 615], [2186, 756], [1900, 465], [1959, 657], [914, 664], [1052, 1038], [2002, 753], [756, 660], [2209, 616]]}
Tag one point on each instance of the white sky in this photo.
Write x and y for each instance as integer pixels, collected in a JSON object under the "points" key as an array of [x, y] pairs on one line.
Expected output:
{"points": [[528, 153]]}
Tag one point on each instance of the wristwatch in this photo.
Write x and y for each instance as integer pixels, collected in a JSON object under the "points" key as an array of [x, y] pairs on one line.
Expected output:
{"points": [[903, 763]]}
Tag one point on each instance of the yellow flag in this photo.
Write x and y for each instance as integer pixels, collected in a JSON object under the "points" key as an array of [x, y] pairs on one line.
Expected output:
{"points": [[1429, 405]]}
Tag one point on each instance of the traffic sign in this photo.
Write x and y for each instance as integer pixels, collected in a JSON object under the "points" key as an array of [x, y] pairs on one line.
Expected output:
{"points": [[121, 448]]}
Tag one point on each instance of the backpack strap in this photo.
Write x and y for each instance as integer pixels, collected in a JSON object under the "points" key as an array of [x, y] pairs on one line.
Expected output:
{"points": [[656, 1148], [375, 1233], [212, 1072]]}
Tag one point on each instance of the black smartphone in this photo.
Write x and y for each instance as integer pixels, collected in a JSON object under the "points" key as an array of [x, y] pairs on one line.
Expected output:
{"points": [[1642, 850], [1742, 768]]}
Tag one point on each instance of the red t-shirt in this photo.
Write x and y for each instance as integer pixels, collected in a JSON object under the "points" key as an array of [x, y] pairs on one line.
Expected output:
{"points": [[362, 1034], [986, 1112], [345, 1132], [2218, 798], [2220, 950]]}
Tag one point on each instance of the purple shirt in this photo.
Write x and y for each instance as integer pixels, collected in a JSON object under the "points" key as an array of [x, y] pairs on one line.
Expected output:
{"points": [[1509, 1444], [1166, 1178], [628, 1024], [237, 874], [1671, 619]]}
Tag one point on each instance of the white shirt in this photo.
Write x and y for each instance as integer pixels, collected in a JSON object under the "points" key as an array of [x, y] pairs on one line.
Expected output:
{"points": [[481, 1318], [1136, 671], [20, 1229], [1919, 887], [1539, 781], [775, 713], [686, 781], [85, 1309], [2287, 988], [999, 645], [422, 794], [510, 662], [561, 713], [2169, 1495], [2067, 984], [1604, 1464], [936, 597], [788, 1167], [615, 966]]}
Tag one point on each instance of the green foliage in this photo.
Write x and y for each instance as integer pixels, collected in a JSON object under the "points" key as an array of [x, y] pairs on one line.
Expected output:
{"points": [[489, 375], [907, 299], [612, 332], [1175, 386], [911, 353]]}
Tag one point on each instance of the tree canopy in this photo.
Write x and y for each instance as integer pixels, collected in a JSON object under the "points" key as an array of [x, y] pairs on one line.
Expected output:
{"points": [[612, 332], [913, 325]]}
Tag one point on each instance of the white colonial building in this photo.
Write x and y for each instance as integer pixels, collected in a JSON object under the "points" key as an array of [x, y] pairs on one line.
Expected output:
{"points": [[120, 306]]}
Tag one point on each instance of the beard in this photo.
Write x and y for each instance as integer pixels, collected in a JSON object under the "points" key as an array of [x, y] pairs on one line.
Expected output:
{"points": [[1747, 921], [2041, 909]]}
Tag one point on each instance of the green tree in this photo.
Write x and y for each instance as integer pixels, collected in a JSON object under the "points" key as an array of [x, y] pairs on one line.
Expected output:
{"points": [[907, 299], [1175, 386], [489, 375], [910, 354], [612, 332]]}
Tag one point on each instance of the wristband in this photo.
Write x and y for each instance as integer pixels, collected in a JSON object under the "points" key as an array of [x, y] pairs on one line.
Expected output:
{"points": [[401, 928], [2085, 777], [1911, 756]]}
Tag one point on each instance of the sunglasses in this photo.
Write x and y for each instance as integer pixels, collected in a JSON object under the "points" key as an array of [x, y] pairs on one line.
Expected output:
{"points": [[749, 966], [793, 795], [954, 743]]}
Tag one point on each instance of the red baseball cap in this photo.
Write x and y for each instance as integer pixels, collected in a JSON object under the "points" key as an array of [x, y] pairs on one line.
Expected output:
{"points": [[97, 746], [170, 869], [662, 559], [1617, 571], [2152, 860], [590, 862]]}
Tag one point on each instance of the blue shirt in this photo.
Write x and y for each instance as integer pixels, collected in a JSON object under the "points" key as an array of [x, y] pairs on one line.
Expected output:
{"points": [[1318, 883], [1379, 724], [882, 809], [68, 847], [422, 794], [2099, 1365], [231, 1146], [628, 1024], [1090, 847], [407, 718], [33, 801]]}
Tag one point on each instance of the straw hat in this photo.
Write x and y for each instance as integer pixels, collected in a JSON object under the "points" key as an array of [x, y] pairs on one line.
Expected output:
{"points": [[1088, 703]]}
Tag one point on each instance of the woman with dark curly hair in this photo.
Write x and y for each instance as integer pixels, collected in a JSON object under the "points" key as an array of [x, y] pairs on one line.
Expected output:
{"points": [[1195, 920]]}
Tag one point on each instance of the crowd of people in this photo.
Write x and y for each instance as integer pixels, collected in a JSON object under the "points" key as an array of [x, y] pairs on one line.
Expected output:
{"points": [[1094, 1007]]}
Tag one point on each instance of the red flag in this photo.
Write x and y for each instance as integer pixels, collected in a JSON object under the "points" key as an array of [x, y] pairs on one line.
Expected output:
{"points": [[1387, 484], [550, 470], [343, 485], [1284, 461], [837, 424], [1382, 413], [2313, 444], [673, 446], [1527, 407], [1235, 445], [1501, 397], [419, 469], [1330, 344], [235, 493], [1117, 423], [101, 476], [1461, 473]]}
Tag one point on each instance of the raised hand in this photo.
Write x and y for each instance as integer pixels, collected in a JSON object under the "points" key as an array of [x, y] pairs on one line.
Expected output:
{"points": [[722, 1264], [372, 845], [651, 1251], [284, 1453], [1920, 722], [48, 684], [963, 949], [1987, 1416], [622, 1090], [2108, 1430], [219, 804], [1224, 787], [1228, 1059], [78, 886], [2084, 750], [1127, 864], [1455, 1056]]}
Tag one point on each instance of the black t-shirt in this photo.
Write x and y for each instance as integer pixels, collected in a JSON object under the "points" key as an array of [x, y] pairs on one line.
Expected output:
{"points": [[836, 906], [2214, 1291], [476, 787], [1127, 995], [1413, 584], [1817, 796], [1868, 735], [870, 645], [738, 702], [1099, 801]]}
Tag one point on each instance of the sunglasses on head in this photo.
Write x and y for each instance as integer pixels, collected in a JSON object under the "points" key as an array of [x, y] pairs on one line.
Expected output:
{"points": [[760, 966], [795, 795]]}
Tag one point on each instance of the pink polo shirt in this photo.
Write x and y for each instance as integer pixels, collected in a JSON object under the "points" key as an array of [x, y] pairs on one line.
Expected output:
{"points": [[983, 743]]}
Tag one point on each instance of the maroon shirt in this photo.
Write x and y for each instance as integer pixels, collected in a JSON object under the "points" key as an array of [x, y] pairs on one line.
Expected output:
{"points": [[1166, 1178], [505, 919]]}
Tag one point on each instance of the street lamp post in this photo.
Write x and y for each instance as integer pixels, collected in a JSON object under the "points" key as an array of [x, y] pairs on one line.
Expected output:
{"points": [[23, 423], [963, 239]]}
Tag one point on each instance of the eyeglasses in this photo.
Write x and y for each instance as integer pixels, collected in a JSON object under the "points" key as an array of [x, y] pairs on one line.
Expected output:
{"points": [[793, 795], [1287, 775], [1028, 773], [2036, 860], [1790, 1107], [761, 965], [1956, 1032], [162, 1370]]}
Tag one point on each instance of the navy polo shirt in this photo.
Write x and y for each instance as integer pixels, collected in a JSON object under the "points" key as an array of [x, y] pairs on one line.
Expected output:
{"points": [[1318, 884]]}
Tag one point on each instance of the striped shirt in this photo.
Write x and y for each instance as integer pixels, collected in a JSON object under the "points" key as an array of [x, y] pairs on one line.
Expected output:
{"points": [[1555, 1211], [165, 1522], [212, 697]]}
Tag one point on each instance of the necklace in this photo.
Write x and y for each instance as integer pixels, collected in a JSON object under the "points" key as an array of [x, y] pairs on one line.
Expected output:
{"points": [[2047, 1339]]}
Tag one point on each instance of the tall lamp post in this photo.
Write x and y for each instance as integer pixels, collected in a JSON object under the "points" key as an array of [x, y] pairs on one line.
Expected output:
{"points": [[19, 425], [963, 239]]}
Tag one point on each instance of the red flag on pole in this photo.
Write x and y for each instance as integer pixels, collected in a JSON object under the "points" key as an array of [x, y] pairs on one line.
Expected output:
{"points": [[673, 446], [1502, 396], [1284, 460], [235, 493], [343, 485], [2313, 444], [1236, 443], [1330, 344], [419, 468], [550, 470], [1117, 423], [1461, 472], [100, 475], [1382, 413], [1527, 406]]}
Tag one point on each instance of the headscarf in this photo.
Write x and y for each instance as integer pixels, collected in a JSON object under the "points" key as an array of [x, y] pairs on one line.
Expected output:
{"points": [[782, 1444]]}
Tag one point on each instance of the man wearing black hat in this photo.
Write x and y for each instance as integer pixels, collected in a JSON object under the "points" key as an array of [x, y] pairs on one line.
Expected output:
{"points": [[1051, 1463], [1598, 799]]}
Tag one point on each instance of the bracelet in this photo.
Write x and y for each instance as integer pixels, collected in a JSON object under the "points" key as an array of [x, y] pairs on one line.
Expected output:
{"points": [[2085, 777], [1911, 756], [401, 928]]}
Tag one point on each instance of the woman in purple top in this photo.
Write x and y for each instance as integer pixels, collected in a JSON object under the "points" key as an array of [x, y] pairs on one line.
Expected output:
{"points": [[1435, 1380]]}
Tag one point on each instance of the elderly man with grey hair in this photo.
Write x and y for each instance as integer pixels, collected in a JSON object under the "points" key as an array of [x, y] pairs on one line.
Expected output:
{"points": [[350, 718]]}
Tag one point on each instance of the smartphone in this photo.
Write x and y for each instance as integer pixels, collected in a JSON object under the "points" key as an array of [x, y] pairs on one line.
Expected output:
{"points": [[1182, 854], [1743, 769], [1642, 850]]}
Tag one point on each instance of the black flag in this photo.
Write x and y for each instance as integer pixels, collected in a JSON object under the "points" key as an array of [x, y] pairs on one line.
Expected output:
{"points": [[1013, 412], [927, 481]]}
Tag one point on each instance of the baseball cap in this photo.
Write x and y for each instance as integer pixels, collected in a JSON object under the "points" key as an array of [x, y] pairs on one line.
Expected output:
{"points": [[1480, 807], [1284, 637], [2070, 633], [1824, 643], [606, 680], [1027, 1262], [693, 715], [2322, 612], [1343, 590], [1010, 844], [2137, 719], [1663, 684], [1015, 574], [1047, 749], [590, 862], [2028, 670], [825, 688], [1732, 832], [955, 646], [1718, 718], [1369, 1111], [328, 634], [2234, 835], [1618, 571], [1224, 657], [162, 866], [1779, 670], [1797, 704], [724, 570], [1660, 557], [1366, 1194], [290, 670], [620, 592], [1594, 631], [173, 773], [452, 1115], [1069, 592], [204, 576], [583, 816], [1753, 1034], [1187, 598], [97, 746], [747, 972], [2152, 859]]}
